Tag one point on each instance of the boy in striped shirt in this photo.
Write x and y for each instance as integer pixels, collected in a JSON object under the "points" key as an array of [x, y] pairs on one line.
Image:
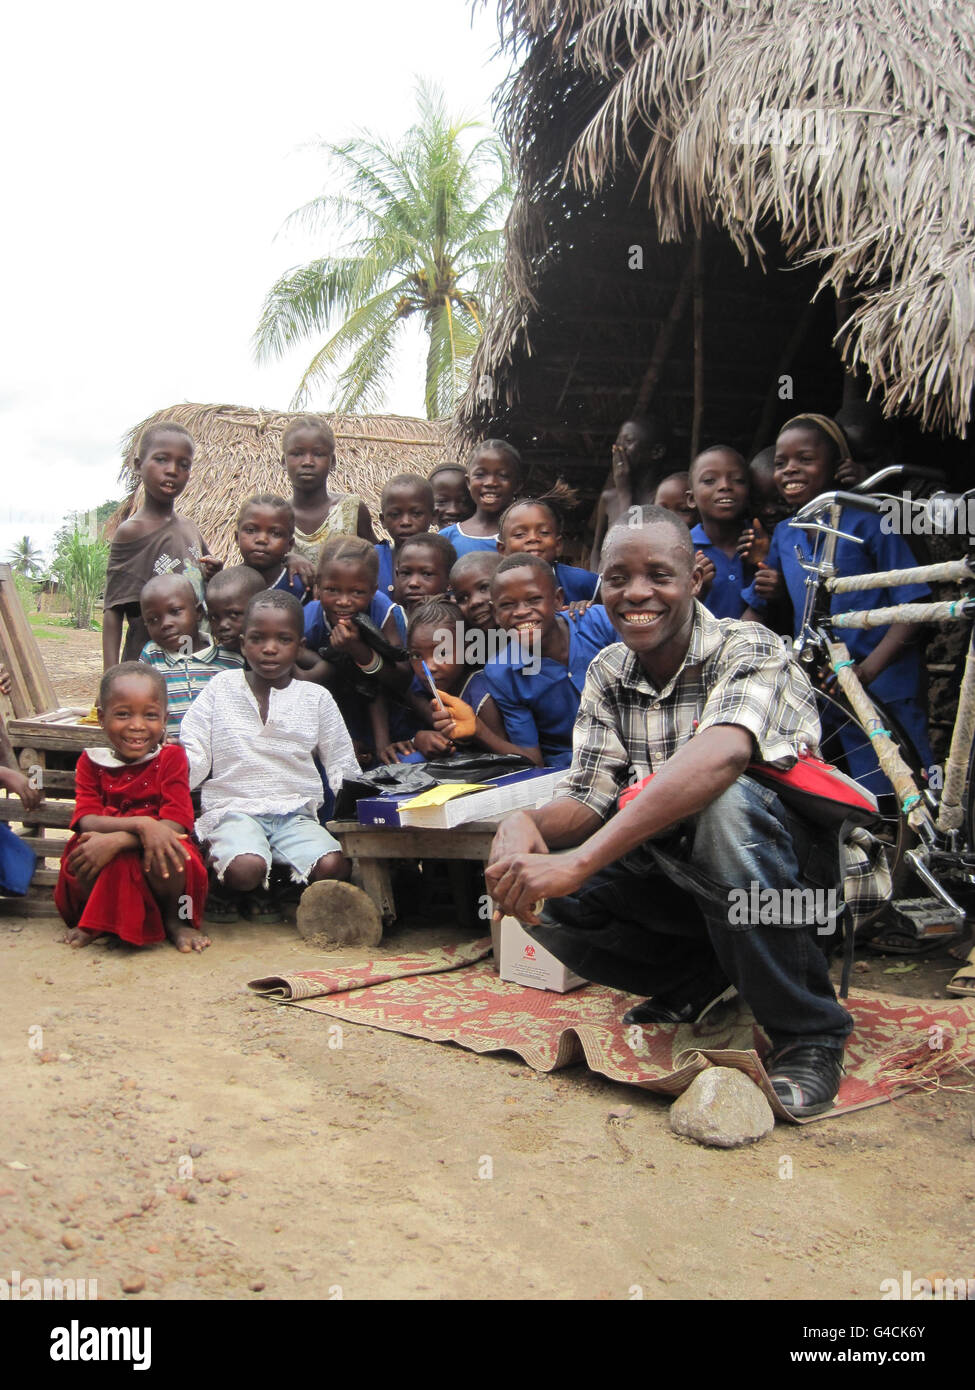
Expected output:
{"points": [[172, 614]]}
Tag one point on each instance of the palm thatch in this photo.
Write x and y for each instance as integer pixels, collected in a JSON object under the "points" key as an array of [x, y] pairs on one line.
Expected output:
{"points": [[834, 140], [238, 454]]}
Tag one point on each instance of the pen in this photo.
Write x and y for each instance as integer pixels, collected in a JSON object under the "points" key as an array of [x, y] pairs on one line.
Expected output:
{"points": [[433, 688]]}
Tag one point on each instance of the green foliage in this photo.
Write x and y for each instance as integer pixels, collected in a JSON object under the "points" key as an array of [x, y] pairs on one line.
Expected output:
{"points": [[426, 239], [24, 558], [80, 564]]}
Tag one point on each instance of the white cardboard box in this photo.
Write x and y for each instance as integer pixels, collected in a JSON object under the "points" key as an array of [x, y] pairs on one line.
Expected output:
{"points": [[524, 961]]}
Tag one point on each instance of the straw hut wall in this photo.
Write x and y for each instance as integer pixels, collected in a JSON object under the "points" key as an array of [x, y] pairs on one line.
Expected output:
{"points": [[722, 203], [238, 454]]}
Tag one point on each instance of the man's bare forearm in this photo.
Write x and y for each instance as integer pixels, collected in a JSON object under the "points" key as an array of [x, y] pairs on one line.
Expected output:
{"points": [[695, 776]]}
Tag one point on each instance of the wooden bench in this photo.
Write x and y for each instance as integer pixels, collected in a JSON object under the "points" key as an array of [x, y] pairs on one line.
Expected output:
{"points": [[373, 848], [37, 736]]}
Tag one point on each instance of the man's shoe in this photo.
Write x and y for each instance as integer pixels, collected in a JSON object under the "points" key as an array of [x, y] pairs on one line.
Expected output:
{"points": [[805, 1077], [673, 1008]]}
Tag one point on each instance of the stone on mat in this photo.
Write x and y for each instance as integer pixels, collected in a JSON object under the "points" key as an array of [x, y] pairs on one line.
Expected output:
{"points": [[722, 1107], [340, 912]]}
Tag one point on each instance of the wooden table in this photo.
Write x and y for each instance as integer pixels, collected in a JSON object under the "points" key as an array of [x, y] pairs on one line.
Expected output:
{"points": [[372, 848]]}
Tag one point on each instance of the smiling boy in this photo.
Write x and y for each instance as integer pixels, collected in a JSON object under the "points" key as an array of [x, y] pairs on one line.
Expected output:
{"points": [[537, 683], [172, 616], [641, 901], [251, 740]]}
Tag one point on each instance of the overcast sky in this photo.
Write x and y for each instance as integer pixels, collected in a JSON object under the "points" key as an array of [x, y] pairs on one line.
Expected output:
{"points": [[150, 158]]}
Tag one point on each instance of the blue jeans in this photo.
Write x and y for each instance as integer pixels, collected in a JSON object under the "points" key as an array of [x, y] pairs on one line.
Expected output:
{"points": [[661, 921]]}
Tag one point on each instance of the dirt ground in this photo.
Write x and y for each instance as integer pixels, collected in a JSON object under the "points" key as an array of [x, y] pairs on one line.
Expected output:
{"points": [[167, 1132]]}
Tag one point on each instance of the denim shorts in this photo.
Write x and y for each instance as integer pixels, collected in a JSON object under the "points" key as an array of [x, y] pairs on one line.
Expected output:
{"points": [[296, 840]]}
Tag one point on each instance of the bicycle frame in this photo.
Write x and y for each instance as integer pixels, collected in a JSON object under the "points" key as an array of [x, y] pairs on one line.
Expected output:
{"points": [[936, 832]]}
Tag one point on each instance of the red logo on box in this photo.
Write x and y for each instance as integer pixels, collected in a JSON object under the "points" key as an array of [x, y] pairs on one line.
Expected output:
{"points": [[529, 951]]}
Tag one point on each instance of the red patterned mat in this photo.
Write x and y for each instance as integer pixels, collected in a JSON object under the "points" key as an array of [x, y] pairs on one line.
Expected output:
{"points": [[453, 994]]}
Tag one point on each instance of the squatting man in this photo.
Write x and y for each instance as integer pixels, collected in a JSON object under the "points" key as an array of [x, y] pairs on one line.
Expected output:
{"points": [[639, 900]]}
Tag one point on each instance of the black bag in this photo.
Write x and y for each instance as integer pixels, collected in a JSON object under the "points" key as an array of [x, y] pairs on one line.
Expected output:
{"points": [[402, 779]]}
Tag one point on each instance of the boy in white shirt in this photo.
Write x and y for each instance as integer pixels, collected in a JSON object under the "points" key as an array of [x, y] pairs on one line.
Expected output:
{"points": [[250, 738]]}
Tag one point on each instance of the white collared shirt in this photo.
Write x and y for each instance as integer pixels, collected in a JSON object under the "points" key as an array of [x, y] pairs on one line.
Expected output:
{"points": [[264, 768]]}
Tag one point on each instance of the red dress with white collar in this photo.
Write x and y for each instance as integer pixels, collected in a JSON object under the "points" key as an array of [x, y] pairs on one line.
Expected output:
{"points": [[121, 901]]}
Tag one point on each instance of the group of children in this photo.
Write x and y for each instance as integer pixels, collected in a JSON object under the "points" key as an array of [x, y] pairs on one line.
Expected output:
{"points": [[262, 685]]}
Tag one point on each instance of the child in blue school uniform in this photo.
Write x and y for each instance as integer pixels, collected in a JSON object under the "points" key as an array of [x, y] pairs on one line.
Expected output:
{"points": [[265, 538], [808, 451], [718, 488], [494, 475], [406, 510], [361, 672], [537, 683], [532, 526], [463, 715]]}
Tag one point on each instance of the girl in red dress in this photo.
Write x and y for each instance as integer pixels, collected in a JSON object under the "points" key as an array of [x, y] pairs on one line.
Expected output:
{"points": [[130, 868]]}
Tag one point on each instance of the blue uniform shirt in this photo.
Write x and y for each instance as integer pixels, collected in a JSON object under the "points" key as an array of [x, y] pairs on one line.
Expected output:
{"points": [[316, 627], [464, 543], [539, 709], [575, 583], [880, 551], [724, 598], [387, 576], [292, 585]]}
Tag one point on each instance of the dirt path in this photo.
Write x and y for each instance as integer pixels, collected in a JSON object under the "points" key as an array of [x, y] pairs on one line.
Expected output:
{"points": [[164, 1129], [315, 1170]]}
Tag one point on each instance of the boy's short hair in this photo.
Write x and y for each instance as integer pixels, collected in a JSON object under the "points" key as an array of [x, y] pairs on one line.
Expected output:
{"points": [[283, 602], [268, 499], [526, 561], [131, 668], [412, 480], [308, 422], [437, 612], [433, 540], [161, 427], [240, 577], [714, 449], [470, 560], [162, 581], [349, 550]]}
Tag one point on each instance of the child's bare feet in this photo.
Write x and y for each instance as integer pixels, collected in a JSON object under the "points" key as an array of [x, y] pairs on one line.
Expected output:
{"points": [[77, 936], [960, 949], [186, 938]]}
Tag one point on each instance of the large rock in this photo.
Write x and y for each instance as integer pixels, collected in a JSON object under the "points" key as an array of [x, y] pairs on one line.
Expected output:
{"points": [[724, 1108]]}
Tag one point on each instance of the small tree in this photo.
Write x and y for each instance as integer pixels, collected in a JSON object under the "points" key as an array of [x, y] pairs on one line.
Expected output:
{"points": [[81, 565], [24, 558]]}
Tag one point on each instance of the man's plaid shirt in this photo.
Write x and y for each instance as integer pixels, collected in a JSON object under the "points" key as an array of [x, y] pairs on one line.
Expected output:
{"points": [[733, 673]]}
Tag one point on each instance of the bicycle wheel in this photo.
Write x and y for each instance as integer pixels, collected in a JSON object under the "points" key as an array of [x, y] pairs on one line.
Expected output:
{"points": [[847, 745]]}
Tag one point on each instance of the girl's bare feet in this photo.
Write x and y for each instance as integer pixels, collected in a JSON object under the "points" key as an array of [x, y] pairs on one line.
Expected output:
{"points": [[186, 938], [77, 936]]}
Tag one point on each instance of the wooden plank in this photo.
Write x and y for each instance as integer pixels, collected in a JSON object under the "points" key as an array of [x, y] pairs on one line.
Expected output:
{"points": [[60, 738], [55, 813], [32, 663], [44, 878], [41, 906], [46, 847], [415, 843]]}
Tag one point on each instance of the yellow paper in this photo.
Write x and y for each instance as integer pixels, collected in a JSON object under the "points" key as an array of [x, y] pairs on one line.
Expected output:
{"points": [[437, 796]]}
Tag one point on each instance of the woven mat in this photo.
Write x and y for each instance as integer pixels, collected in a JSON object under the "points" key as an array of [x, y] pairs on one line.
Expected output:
{"points": [[452, 994]]}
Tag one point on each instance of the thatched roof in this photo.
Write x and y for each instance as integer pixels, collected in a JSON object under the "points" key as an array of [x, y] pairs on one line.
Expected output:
{"points": [[238, 454], [691, 111]]}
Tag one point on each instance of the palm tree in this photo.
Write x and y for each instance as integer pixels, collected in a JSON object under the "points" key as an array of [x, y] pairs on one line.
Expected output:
{"points": [[25, 559], [426, 237]]}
